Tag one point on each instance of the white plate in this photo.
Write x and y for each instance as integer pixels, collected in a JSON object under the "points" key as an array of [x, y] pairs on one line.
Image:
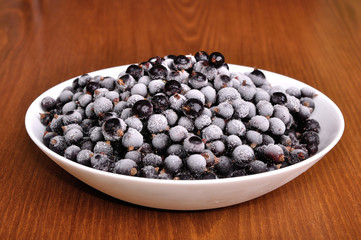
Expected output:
{"points": [[193, 194]]}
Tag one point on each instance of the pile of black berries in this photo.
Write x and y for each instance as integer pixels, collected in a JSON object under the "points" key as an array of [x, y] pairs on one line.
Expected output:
{"points": [[181, 117]]}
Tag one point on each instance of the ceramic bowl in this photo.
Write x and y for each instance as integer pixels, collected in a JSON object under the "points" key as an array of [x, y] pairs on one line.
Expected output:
{"points": [[193, 194]]}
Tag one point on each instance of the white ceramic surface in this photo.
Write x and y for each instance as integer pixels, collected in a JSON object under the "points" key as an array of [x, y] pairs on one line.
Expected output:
{"points": [[193, 194]]}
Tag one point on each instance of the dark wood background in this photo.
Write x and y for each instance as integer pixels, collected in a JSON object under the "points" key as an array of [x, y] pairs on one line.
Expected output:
{"points": [[43, 43]]}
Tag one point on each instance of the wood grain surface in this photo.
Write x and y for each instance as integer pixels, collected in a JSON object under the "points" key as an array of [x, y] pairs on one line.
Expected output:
{"points": [[43, 43]]}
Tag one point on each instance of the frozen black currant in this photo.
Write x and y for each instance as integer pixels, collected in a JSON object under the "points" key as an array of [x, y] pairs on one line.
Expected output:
{"points": [[278, 98], [71, 152], [84, 157], [58, 144], [216, 59], [256, 166], [182, 62], [177, 149], [152, 160], [308, 102], [201, 56], [73, 136], [102, 162], [173, 164], [47, 136], [142, 109], [91, 87], [132, 139], [126, 167], [48, 103], [160, 141], [311, 125], [312, 149], [224, 166], [172, 87], [211, 133], [193, 108], [160, 103], [196, 164], [125, 82], [45, 118], [157, 123], [148, 172], [136, 71], [193, 144], [158, 71], [113, 129], [217, 147], [310, 137], [178, 133], [242, 155], [273, 153], [257, 77], [297, 155], [197, 80]]}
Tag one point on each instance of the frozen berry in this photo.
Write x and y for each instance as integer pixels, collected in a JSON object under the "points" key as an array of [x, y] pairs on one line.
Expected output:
{"points": [[224, 166], [157, 123], [161, 141], [193, 108], [125, 82], [242, 155], [311, 125], [142, 109], [48, 103], [257, 77], [176, 101], [201, 56], [182, 62], [84, 157], [104, 148], [259, 123], [149, 172], [216, 59], [152, 160], [197, 80], [235, 127], [158, 71], [172, 87], [193, 144], [132, 139], [273, 153], [102, 162], [73, 136], [136, 71], [102, 105], [178, 133], [160, 103], [126, 167], [297, 155], [58, 144], [212, 132], [177, 149], [71, 152], [310, 137], [136, 156], [276, 126], [278, 98], [172, 164], [113, 129], [196, 164], [256, 166]]}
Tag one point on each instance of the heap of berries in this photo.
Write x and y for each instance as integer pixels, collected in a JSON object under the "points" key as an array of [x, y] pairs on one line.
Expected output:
{"points": [[181, 117]]}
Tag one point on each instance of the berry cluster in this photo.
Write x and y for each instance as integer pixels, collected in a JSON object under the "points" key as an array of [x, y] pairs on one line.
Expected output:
{"points": [[181, 117]]}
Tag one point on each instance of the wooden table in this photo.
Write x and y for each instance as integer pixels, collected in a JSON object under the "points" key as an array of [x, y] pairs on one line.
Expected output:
{"points": [[43, 43]]}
